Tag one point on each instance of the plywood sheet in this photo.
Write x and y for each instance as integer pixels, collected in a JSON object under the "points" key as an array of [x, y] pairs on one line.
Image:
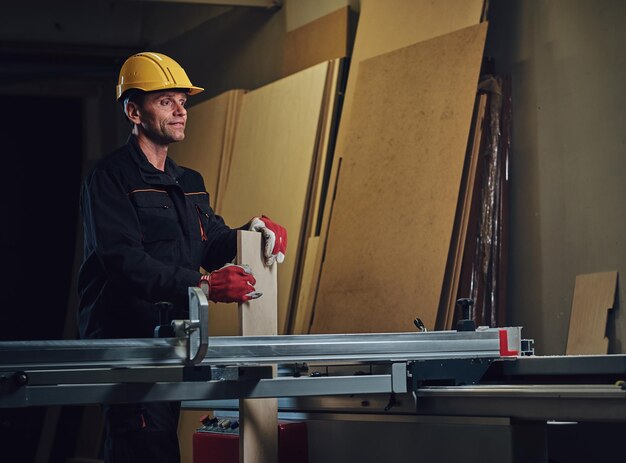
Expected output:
{"points": [[258, 441], [594, 295], [321, 40], [397, 194], [271, 163]]}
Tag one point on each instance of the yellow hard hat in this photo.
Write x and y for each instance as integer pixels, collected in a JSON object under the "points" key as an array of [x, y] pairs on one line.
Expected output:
{"points": [[149, 71]]}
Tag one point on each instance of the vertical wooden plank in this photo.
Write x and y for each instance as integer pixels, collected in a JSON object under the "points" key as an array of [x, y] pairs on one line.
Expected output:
{"points": [[258, 438], [594, 296], [466, 197]]}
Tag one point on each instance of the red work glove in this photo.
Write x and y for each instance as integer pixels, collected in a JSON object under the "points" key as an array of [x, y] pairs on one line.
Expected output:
{"points": [[231, 283], [275, 238]]}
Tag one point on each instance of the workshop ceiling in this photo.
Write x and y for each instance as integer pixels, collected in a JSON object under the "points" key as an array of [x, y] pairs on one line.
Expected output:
{"points": [[69, 39]]}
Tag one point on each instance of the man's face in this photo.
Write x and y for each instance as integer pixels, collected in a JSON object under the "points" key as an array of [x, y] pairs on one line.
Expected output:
{"points": [[163, 116]]}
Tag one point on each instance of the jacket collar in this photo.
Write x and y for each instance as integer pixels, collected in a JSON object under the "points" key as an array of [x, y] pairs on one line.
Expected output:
{"points": [[149, 173]]}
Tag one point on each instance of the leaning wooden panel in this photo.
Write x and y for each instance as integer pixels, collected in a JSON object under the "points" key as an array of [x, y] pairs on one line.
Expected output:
{"points": [[384, 27], [594, 296], [397, 193], [258, 441], [271, 162]]}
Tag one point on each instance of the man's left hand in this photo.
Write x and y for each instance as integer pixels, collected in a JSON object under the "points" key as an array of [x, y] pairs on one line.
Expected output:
{"points": [[275, 238]]}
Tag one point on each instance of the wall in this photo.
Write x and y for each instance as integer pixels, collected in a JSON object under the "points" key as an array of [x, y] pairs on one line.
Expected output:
{"points": [[567, 59], [243, 47]]}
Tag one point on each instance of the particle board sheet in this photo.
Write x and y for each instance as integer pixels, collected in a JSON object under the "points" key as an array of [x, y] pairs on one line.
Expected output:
{"points": [[398, 187], [320, 40], [273, 154], [594, 296], [258, 441], [382, 28]]}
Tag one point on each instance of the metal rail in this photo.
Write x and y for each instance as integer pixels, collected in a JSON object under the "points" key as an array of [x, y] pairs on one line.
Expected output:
{"points": [[387, 347], [128, 370]]}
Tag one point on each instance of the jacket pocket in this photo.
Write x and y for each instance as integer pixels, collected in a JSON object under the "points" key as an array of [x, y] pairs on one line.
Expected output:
{"points": [[157, 216], [159, 224]]}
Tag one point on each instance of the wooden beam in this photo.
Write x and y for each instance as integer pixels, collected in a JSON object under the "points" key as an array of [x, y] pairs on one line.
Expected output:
{"points": [[258, 437]]}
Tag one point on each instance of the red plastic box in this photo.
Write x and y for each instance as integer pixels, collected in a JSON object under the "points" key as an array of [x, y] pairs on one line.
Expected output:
{"points": [[209, 447]]}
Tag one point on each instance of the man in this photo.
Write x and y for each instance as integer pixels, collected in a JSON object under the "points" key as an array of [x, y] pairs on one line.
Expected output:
{"points": [[148, 232]]}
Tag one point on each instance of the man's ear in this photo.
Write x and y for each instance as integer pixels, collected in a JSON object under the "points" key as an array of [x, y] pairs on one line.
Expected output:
{"points": [[133, 112]]}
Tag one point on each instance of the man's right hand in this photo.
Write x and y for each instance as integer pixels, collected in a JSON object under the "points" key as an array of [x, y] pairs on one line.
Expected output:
{"points": [[231, 283]]}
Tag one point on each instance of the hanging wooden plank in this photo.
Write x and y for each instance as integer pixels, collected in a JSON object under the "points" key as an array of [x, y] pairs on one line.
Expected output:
{"points": [[273, 154], [594, 296], [396, 199], [258, 437]]}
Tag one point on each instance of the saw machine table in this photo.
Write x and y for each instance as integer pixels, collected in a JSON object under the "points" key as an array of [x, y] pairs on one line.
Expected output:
{"points": [[486, 372]]}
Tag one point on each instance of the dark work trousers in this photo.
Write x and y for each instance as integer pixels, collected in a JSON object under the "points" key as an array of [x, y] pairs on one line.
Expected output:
{"points": [[141, 432]]}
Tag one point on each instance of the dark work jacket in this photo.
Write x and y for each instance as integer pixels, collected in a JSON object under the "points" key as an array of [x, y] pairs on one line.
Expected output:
{"points": [[146, 235]]}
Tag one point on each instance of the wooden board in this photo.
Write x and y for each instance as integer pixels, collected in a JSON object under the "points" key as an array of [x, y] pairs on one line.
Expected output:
{"points": [[460, 233], [594, 296], [270, 170], [321, 40], [395, 204], [258, 437]]}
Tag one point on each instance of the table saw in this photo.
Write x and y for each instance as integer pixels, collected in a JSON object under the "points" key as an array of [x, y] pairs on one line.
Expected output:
{"points": [[486, 372]]}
